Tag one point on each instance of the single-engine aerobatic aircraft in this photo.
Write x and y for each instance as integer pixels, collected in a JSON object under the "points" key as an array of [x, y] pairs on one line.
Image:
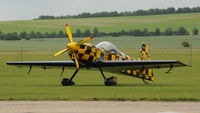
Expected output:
{"points": [[105, 57]]}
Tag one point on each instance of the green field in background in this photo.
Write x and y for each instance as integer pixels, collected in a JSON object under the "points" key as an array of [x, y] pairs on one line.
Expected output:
{"points": [[180, 85], [106, 24], [122, 42]]}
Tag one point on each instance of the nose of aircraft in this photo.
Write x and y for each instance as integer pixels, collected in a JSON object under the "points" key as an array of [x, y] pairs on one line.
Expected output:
{"points": [[72, 46]]}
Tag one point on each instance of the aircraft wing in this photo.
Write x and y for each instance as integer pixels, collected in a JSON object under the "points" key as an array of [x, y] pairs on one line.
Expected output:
{"points": [[44, 63], [107, 65]]}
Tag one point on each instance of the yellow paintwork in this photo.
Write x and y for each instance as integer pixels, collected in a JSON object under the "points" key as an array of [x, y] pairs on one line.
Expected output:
{"points": [[60, 52], [73, 46], [69, 33], [113, 58], [76, 60], [84, 41], [85, 53], [85, 57]]}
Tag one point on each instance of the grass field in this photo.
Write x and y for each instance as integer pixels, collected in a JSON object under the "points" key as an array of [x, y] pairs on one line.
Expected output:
{"points": [[107, 24], [180, 85]]}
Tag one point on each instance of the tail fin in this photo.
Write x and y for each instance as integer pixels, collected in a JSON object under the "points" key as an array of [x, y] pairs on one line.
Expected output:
{"points": [[144, 52], [144, 74]]}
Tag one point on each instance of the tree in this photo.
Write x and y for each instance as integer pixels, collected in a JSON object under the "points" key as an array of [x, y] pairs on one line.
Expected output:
{"points": [[179, 10], [23, 34], [12, 36], [32, 34], [137, 32], [182, 31], [46, 35], [2, 36], [61, 34], [86, 33], [27, 37], [171, 10], [78, 33], [185, 44], [145, 32], [95, 32], [38, 35], [140, 12], [168, 31], [115, 34], [52, 35], [195, 31], [157, 32], [195, 9], [46, 17], [156, 11], [123, 32]]}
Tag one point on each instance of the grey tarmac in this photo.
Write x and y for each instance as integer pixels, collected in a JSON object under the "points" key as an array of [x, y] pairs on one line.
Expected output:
{"points": [[98, 107]]}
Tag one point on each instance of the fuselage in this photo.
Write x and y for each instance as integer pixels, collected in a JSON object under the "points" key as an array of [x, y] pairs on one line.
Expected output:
{"points": [[88, 53]]}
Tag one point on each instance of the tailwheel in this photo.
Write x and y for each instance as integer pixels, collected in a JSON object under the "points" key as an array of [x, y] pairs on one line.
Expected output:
{"points": [[112, 81], [67, 82]]}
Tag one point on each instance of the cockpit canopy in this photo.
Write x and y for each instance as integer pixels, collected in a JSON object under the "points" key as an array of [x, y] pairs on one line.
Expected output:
{"points": [[108, 46]]}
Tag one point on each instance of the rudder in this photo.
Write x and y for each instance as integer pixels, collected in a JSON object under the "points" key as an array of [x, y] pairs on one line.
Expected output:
{"points": [[145, 74], [144, 54]]}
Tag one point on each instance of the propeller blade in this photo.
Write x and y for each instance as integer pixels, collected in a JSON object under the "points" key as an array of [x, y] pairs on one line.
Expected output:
{"points": [[69, 33], [60, 52], [76, 61], [84, 41]]}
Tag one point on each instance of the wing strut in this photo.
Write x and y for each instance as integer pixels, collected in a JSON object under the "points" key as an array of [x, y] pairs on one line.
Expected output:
{"points": [[29, 69], [63, 69], [171, 67]]}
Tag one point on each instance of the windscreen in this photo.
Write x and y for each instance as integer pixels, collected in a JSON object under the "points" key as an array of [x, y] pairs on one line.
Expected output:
{"points": [[108, 46]]}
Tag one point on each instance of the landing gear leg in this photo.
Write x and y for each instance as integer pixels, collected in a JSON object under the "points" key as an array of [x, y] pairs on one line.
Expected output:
{"points": [[112, 81], [69, 82], [145, 82]]}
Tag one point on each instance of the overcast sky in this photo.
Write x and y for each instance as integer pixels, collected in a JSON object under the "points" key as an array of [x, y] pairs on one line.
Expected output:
{"points": [[29, 9]]}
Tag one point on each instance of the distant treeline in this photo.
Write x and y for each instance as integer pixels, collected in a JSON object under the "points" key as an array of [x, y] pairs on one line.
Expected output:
{"points": [[170, 10], [96, 33]]}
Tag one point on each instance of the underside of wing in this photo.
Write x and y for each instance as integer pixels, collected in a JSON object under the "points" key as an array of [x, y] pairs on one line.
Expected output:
{"points": [[111, 66], [44, 63]]}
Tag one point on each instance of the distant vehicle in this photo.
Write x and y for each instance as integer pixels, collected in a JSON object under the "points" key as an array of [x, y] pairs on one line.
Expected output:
{"points": [[106, 57]]}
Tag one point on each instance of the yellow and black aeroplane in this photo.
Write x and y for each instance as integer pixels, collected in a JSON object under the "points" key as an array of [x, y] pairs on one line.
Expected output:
{"points": [[105, 57]]}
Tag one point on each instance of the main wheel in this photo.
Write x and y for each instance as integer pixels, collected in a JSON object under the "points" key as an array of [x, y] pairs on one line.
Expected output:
{"points": [[112, 81], [67, 82]]}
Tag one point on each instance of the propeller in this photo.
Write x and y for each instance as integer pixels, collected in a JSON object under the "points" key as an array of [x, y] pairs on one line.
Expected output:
{"points": [[72, 46]]}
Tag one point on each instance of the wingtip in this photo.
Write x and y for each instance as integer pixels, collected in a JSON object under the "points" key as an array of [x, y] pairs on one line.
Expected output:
{"points": [[183, 63]]}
